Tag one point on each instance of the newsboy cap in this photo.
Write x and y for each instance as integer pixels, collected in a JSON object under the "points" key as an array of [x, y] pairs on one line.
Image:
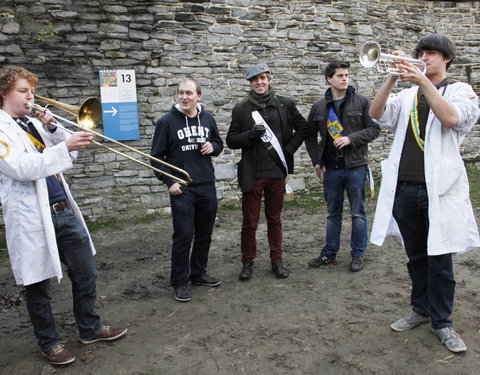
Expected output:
{"points": [[256, 70]]}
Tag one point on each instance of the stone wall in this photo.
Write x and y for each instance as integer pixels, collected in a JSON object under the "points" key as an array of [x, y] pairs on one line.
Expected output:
{"points": [[67, 42]]}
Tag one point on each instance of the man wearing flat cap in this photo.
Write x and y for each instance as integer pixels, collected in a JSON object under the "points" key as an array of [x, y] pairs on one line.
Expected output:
{"points": [[269, 129]]}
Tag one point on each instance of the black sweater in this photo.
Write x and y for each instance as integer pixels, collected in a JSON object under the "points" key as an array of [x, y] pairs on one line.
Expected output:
{"points": [[175, 139]]}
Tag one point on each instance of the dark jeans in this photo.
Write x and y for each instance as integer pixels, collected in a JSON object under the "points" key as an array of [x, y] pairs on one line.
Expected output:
{"points": [[433, 284], [75, 252], [193, 215], [273, 188], [335, 183]]}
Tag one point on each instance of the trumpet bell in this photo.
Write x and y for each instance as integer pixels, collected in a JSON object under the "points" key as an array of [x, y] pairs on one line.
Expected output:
{"points": [[369, 54], [372, 57]]}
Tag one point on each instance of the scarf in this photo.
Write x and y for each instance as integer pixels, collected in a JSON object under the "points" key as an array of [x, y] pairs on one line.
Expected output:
{"points": [[261, 101]]}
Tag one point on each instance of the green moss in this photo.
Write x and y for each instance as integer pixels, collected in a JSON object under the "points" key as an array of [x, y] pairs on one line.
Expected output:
{"points": [[474, 181], [230, 207], [3, 251], [94, 226], [305, 201], [472, 264]]}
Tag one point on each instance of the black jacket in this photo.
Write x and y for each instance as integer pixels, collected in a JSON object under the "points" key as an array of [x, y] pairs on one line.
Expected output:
{"points": [[293, 134], [174, 142], [357, 125]]}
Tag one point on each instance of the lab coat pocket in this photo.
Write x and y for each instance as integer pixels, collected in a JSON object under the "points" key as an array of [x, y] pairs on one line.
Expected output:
{"points": [[451, 175], [27, 217]]}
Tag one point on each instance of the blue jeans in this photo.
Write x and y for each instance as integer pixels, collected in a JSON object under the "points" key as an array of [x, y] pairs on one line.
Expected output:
{"points": [[433, 283], [75, 252], [335, 183], [193, 214]]}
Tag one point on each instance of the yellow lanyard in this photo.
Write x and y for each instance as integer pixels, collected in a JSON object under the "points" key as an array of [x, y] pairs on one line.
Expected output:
{"points": [[40, 147], [415, 124]]}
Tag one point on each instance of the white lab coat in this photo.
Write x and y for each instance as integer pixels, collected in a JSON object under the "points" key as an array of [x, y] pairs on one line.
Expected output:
{"points": [[452, 223], [30, 234]]}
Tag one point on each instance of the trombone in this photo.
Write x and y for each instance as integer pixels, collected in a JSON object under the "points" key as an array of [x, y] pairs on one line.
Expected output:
{"points": [[88, 115]]}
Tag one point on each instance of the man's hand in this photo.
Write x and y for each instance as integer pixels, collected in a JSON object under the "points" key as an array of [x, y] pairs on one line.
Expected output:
{"points": [[320, 171], [256, 132], [396, 64], [341, 142], [207, 148], [47, 119], [79, 141], [411, 73], [175, 189]]}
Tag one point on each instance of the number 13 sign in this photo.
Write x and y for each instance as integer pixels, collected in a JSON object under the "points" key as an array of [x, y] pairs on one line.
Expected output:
{"points": [[118, 92]]}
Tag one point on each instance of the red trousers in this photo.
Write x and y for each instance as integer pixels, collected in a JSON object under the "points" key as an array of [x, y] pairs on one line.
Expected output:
{"points": [[273, 190]]}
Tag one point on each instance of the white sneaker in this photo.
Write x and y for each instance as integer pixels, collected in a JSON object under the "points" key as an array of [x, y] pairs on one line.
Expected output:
{"points": [[450, 339], [409, 321]]}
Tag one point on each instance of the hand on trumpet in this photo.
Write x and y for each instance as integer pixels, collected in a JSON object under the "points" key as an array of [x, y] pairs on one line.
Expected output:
{"points": [[411, 73], [395, 65], [408, 72], [78, 141]]}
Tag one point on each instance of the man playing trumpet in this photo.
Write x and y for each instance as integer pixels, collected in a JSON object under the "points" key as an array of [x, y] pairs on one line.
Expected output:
{"points": [[424, 196], [43, 224]]}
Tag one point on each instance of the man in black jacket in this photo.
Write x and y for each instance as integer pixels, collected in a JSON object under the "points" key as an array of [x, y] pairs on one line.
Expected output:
{"points": [[269, 129], [187, 137], [341, 159]]}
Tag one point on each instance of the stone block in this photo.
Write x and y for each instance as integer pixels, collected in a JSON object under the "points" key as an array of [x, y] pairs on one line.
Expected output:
{"points": [[134, 34], [112, 28], [10, 27], [225, 171]]}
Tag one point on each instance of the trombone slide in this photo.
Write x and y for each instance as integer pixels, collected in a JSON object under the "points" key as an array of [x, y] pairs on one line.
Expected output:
{"points": [[77, 111]]}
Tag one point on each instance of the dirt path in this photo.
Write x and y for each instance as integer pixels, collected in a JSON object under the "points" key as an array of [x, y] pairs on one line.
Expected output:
{"points": [[318, 321]]}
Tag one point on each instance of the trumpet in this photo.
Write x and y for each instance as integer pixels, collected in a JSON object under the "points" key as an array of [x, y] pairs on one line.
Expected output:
{"points": [[88, 115], [371, 56]]}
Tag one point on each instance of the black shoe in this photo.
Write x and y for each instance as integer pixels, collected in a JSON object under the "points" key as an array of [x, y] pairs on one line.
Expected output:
{"points": [[182, 294], [357, 264], [322, 261], [246, 272], [279, 270], [207, 280]]}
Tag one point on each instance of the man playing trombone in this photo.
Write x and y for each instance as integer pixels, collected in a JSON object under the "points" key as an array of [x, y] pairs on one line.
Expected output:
{"points": [[43, 224], [424, 196]]}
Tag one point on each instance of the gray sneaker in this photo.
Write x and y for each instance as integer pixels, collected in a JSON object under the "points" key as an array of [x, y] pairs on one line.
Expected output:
{"points": [[409, 321], [450, 339], [357, 264]]}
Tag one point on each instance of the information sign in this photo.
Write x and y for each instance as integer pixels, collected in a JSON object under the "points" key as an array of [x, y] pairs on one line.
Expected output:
{"points": [[119, 104]]}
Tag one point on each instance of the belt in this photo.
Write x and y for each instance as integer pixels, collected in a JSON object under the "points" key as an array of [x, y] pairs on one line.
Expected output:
{"points": [[59, 206]]}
